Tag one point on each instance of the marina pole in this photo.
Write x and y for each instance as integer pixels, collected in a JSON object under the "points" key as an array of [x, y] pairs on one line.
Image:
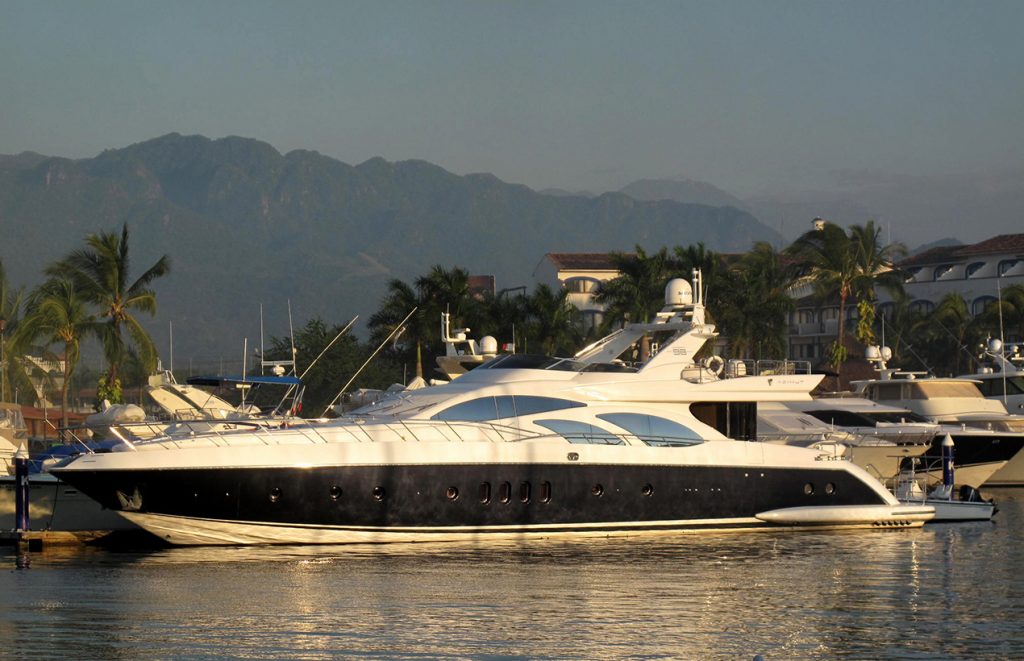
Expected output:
{"points": [[21, 489], [947, 462]]}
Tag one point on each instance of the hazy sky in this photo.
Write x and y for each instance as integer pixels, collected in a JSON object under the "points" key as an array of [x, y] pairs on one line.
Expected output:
{"points": [[751, 96]]}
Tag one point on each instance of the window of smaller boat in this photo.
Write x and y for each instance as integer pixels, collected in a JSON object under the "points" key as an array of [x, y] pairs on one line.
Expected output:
{"points": [[842, 418], [581, 432], [991, 387], [1014, 385], [896, 417], [888, 391], [921, 390], [653, 430]]}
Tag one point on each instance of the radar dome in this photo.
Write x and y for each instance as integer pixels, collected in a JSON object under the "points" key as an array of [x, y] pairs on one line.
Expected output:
{"points": [[678, 292], [488, 345]]}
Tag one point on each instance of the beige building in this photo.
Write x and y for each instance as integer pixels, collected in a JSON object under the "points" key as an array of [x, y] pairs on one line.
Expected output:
{"points": [[579, 273]]}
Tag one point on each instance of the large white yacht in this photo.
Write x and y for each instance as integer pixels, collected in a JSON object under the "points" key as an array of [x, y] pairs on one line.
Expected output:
{"points": [[984, 433], [521, 446], [1004, 379]]}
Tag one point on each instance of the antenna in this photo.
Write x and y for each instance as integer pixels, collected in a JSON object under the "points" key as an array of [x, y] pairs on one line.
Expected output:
{"points": [[291, 333], [999, 296], [400, 326], [170, 332], [261, 338]]}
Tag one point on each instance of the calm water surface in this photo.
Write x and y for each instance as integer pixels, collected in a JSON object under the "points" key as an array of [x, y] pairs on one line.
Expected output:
{"points": [[951, 591]]}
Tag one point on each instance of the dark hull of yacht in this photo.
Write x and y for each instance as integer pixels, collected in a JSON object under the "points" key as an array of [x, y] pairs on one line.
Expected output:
{"points": [[979, 455], [289, 504]]}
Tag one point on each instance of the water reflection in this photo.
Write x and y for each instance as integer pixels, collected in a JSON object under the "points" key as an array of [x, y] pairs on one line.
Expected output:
{"points": [[942, 591]]}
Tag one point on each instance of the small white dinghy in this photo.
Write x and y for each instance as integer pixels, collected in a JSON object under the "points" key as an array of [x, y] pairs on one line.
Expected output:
{"points": [[951, 504]]}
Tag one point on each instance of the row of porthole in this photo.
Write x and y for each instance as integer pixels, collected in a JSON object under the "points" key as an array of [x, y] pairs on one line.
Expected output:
{"points": [[504, 492], [830, 489]]}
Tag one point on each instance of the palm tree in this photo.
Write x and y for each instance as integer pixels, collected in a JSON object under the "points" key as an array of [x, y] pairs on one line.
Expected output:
{"points": [[1006, 315], [100, 273], [637, 293], [555, 323], [59, 315], [432, 294], [840, 266], [754, 305], [400, 300], [14, 370]]}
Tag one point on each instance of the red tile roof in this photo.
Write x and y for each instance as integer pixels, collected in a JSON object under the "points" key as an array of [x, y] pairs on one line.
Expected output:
{"points": [[1002, 244]]}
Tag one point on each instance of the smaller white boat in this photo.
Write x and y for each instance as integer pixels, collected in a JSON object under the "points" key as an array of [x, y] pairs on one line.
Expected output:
{"points": [[951, 503]]}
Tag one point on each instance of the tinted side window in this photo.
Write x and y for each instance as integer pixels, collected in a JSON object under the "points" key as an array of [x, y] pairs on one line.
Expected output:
{"points": [[580, 432], [483, 408], [530, 404], [653, 430]]}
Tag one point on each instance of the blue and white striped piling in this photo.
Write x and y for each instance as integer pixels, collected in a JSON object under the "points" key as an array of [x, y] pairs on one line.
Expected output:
{"points": [[947, 463], [21, 519], [21, 489]]}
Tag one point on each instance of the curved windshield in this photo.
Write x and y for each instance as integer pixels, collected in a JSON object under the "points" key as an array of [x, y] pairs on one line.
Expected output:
{"points": [[503, 406], [522, 361], [400, 404], [580, 432], [653, 430]]}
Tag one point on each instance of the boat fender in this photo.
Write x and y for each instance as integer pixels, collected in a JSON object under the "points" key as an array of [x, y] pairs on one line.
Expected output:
{"points": [[714, 364]]}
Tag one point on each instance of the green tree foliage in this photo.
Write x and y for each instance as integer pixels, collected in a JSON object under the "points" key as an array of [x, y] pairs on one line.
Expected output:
{"points": [[15, 371], [326, 378], [841, 266], [555, 325], [101, 275], [59, 316], [752, 304], [439, 291]]}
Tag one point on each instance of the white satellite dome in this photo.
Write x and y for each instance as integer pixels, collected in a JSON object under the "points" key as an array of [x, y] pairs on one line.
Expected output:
{"points": [[678, 292]]}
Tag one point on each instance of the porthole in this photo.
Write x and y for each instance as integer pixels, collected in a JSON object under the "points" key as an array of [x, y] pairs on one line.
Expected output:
{"points": [[484, 493], [452, 493], [524, 492], [545, 492], [505, 492], [335, 492], [830, 488], [597, 490], [275, 495], [647, 490], [808, 489], [378, 493]]}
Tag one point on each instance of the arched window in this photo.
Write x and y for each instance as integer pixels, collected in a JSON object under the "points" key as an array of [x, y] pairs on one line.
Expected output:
{"points": [[973, 268], [581, 285], [922, 306], [979, 304], [886, 311], [1011, 267]]}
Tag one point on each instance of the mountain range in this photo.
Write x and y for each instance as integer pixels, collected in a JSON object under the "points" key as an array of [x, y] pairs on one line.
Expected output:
{"points": [[246, 225]]}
